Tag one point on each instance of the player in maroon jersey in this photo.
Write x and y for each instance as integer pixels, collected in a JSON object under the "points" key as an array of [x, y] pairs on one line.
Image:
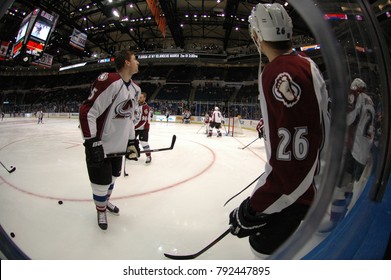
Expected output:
{"points": [[142, 120], [260, 128], [293, 99], [104, 121]]}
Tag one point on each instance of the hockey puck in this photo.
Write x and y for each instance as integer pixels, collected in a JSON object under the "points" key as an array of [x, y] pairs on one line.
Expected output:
{"points": [[12, 234], [60, 202]]}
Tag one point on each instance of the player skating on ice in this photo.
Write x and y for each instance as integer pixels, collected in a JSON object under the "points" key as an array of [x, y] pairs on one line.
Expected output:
{"points": [[142, 120], [206, 123], [106, 120], [40, 117], [260, 128], [215, 122], [186, 116], [167, 115], [293, 101]]}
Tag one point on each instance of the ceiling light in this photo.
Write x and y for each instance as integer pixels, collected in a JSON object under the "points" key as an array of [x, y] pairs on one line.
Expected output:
{"points": [[115, 13]]}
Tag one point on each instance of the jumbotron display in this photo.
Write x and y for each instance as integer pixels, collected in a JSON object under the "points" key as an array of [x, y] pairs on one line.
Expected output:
{"points": [[34, 34]]}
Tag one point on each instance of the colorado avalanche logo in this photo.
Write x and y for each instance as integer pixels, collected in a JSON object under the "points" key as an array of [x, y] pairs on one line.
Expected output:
{"points": [[286, 90], [103, 76], [123, 110]]}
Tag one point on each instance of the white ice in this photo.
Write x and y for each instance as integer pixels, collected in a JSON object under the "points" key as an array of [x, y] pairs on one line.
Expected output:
{"points": [[174, 205]]}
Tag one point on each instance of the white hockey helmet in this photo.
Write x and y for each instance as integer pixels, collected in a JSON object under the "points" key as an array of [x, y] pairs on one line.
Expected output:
{"points": [[216, 108], [269, 22], [358, 85]]}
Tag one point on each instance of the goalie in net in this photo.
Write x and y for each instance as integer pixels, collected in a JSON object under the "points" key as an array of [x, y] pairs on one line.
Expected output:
{"points": [[234, 128]]}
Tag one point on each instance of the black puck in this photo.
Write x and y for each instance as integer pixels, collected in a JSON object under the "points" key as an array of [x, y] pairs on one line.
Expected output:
{"points": [[12, 234], [60, 202]]}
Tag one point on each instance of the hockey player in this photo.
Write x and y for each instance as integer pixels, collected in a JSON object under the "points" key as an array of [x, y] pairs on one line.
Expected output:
{"points": [[206, 122], [293, 101], [106, 128], [186, 116], [142, 121], [361, 133], [260, 128], [215, 122], [40, 117], [167, 115]]}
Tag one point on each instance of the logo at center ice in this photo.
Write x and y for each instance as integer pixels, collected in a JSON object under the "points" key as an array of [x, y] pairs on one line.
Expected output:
{"points": [[286, 90]]}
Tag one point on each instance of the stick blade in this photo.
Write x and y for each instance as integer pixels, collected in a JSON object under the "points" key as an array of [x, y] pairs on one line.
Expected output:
{"points": [[173, 141], [180, 257], [193, 256], [12, 169]]}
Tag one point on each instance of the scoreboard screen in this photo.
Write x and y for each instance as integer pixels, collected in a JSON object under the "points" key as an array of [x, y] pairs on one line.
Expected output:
{"points": [[40, 30], [34, 33], [21, 35]]}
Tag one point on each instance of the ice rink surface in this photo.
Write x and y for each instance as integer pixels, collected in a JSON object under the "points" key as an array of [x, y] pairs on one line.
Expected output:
{"points": [[174, 205]]}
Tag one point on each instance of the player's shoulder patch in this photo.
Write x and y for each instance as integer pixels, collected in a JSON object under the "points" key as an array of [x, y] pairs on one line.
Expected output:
{"points": [[286, 90], [103, 77]]}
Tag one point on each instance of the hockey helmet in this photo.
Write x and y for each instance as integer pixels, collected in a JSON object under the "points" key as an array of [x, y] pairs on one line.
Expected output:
{"points": [[269, 22], [358, 85], [216, 108]]}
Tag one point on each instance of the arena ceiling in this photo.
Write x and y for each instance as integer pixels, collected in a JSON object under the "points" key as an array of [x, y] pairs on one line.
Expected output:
{"points": [[189, 24], [111, 25]]}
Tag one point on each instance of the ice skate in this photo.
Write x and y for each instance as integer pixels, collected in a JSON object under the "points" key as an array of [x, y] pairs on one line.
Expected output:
{"points": [[112, 208], [102, 219], [339, 209]]}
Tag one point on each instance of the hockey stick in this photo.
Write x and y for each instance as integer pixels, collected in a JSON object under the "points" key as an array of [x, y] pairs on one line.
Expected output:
{"points": [[125, 174], [226, 132], [193, 256], [13, 168], [200, 128], [244, 189], [145, 151], [248, 144]]}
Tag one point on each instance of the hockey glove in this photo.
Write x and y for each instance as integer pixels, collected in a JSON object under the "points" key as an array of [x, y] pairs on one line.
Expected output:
{"points": [[133, 150], [245, 222], [95, 154]]}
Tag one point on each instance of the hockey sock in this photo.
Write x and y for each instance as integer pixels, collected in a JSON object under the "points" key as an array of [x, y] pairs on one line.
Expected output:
{"points": [[338, 210], [99, 194], [109, 191], [111, 187], [145, 146]]}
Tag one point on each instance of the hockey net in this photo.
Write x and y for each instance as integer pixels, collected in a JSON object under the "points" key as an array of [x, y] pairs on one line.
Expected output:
{"points": [[234, 127]]}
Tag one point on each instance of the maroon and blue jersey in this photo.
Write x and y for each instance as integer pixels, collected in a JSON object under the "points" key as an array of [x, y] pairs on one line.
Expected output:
{"points": [[294, 101]]}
